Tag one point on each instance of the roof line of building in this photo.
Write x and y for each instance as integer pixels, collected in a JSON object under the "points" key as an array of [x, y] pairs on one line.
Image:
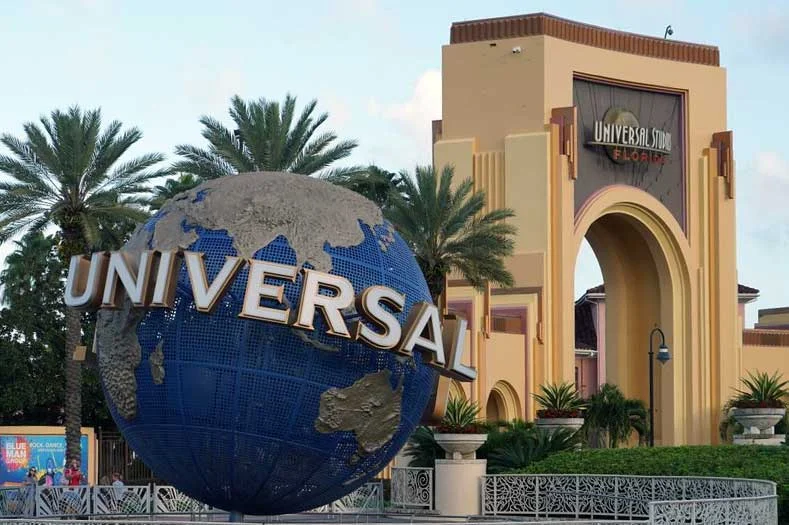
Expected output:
{"points": [[536, 24]]}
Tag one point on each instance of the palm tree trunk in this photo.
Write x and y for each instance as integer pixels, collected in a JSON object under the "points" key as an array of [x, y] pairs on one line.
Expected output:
{"points": [[72, 243], [73, 394]]}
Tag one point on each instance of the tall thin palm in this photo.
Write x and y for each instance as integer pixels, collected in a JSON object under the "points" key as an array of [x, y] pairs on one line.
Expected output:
{"points": [[66, 172], [267, 137], [448, 231], [171, 188]]}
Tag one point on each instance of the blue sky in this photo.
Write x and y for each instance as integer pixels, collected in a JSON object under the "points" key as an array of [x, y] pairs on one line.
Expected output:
{"points": [[375, 66]]}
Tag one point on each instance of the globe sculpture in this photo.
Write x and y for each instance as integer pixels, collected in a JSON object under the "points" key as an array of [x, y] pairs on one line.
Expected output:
{"points": [[255, 417]]}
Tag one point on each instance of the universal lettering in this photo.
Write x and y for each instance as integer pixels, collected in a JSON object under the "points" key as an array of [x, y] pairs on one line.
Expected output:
{"points": [[149, 281]]}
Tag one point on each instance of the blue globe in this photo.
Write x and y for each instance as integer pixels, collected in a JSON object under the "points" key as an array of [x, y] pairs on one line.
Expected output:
{"points": [[228, 409]]}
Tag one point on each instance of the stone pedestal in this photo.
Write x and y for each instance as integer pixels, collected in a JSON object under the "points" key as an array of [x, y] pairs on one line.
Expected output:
{"points": [[458, 485], [759, 439]]}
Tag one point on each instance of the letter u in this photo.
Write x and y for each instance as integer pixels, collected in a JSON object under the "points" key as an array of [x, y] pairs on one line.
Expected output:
{"points": [[85, 279]]}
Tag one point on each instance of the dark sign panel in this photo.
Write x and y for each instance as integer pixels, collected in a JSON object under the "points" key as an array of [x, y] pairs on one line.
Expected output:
{"points": [[630, 136]]}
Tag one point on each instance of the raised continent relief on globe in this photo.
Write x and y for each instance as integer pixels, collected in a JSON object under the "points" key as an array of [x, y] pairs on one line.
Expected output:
{"points": [[256, 417]]}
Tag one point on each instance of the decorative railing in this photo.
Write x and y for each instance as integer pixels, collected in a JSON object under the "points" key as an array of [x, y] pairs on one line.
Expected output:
{"points": [[17, 501], [412, 487], [63, 501], [367, 499], [660, 499], [757, 510], [169, 500], [129, 500], [145, 500]]}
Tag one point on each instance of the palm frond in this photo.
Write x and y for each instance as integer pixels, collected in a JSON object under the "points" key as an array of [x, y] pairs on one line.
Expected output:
{"points": [[266, 138], [442, 223], [202, 164]]}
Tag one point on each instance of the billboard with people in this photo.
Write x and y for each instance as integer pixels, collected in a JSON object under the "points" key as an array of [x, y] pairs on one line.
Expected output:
{"points": [[38, 458]]}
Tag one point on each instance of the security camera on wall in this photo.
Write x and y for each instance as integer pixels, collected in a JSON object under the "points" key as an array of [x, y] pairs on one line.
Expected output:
{"points": [[516, 50]]}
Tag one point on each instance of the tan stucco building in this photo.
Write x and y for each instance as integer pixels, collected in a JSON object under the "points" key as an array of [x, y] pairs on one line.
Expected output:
{"points": [[621, 139]]}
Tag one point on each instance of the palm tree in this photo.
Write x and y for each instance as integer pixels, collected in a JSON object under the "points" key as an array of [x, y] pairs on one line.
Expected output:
{"points": [[171, 188], [612, 418], [66, 172], [32, 262], [373, 182], [447, 230], [267, 137]]}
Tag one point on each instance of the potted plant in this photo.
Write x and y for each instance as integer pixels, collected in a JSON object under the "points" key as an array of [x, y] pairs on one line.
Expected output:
{"points": [[562, 407], [762, 403], [460, 433]]}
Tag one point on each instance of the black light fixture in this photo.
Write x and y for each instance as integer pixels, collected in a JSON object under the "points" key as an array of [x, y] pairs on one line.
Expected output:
{"points": [[668, 32], [663, 356]]}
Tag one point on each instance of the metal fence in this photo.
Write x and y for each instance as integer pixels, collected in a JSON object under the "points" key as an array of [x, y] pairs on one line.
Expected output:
{"points": [[757, 511], [115, 455], [299, 520], [660, 499], [144, 500], [412, 487], [367, 499]]}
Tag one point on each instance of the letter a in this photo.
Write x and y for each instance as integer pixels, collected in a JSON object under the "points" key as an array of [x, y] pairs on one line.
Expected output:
{"points": [[422, 318]]}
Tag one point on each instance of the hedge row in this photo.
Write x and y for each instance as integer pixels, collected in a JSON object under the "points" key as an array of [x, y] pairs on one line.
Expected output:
{"points": [[740, 461]]}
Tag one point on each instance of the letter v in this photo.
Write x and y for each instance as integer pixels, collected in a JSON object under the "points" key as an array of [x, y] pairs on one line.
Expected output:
{"points": [[206, 296]]}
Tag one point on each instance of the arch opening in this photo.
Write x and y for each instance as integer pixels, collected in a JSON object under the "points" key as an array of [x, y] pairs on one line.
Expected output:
{"points": [[644, 286], [494, 409], [503, 403]]}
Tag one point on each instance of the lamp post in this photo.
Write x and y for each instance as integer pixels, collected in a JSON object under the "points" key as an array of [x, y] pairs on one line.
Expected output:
{"points": [[663, 356], [668, 33]]}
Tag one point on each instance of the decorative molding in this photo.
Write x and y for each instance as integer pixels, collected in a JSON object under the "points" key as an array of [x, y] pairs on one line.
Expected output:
{"points": [[486, 326], [541, 24], [723, 142], [438, 130], [567, 121], [764, 337]]}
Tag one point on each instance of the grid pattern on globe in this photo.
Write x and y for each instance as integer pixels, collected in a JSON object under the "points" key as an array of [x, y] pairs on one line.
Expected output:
{"points": [[233, 423]]}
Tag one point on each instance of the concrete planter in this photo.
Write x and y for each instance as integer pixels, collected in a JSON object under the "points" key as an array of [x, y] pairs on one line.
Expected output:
{"points": [[759, 418], [460, 446], [553, 423]]}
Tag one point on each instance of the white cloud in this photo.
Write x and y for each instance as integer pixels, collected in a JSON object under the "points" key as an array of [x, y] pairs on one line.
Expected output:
{"points": [[763, 30], [338, 110], [769, 176], [209, 91], [414, 116], [762, 213], [359, 7], [771, 165]]}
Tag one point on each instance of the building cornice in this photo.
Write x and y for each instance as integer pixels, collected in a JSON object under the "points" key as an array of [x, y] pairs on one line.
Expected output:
{"points": [[537, 24]]}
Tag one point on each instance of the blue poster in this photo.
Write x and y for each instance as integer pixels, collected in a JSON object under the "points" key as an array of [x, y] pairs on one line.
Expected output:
{"points": [[19, 453]]}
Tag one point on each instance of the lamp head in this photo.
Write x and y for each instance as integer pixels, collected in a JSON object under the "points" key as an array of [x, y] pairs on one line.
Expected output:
{"points": [[663, 354]]}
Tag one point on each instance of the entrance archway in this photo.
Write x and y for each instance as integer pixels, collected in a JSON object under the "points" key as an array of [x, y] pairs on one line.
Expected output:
{"points": [[643, 258], [503, 403], [494, 409]]}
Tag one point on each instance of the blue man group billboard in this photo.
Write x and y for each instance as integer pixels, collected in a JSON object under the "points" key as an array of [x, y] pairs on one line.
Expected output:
{"points": [[47, 453]]}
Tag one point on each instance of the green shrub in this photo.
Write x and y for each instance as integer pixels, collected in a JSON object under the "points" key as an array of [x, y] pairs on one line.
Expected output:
{"points": [[611, 418], [729, 461]]}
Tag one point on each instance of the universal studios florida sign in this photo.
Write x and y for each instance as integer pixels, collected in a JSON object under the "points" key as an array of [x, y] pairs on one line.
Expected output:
{"points": [[149, 281]]}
